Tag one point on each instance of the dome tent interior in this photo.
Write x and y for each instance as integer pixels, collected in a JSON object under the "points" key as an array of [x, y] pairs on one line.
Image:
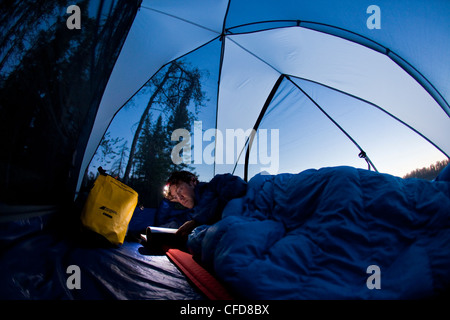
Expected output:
{"points": [[316, 81], [313, 56]]}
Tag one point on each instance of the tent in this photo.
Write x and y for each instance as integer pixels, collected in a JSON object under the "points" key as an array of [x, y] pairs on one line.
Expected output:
{"points": [[327, 83]]}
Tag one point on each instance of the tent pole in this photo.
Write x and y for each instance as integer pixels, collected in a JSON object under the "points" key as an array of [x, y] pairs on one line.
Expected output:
{"points": [[257, 123], [222, 53], [362, 154]]}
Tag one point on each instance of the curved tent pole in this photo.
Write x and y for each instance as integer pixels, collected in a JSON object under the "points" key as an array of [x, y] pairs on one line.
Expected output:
{"points": [[379, 108], [222, 53], [367, 42], [257, 123], [362, 154]]}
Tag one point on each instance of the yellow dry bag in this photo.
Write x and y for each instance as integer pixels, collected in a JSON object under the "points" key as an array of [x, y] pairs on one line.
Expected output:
{"points": [[109, 208]]}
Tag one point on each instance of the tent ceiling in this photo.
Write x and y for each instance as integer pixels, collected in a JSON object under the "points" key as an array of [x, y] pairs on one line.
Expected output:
{"points": [[330, 61], [415, 30]]}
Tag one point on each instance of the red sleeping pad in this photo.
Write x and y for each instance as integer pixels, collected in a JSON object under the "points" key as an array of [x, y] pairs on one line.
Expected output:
{"points": [[199, 276]]}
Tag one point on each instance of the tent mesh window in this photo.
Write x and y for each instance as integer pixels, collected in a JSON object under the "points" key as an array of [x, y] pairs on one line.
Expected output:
{"points": [[52, 76]]}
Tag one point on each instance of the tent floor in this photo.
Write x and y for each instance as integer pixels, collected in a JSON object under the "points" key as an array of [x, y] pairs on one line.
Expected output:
{"points": [[45, 265]]}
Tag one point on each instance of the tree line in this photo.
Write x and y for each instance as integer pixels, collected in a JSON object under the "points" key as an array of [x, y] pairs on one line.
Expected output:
{"points": [[428, 173]]}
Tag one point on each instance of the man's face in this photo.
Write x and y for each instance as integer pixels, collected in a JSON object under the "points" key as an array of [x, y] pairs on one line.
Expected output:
{"points": [[183, 193]]}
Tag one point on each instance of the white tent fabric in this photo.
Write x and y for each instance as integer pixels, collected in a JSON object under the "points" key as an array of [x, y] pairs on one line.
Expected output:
{"points": [[333, 62], [416, 30], [325, 47]]}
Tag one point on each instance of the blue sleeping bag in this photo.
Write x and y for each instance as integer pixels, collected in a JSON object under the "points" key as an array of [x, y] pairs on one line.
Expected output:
{"points": [[332, 233]]}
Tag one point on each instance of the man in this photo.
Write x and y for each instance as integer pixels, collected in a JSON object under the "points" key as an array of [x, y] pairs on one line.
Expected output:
{"points": [[207, 200]]}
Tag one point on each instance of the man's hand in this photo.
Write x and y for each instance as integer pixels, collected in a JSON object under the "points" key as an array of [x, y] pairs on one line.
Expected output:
{"points": [[186, 228]]}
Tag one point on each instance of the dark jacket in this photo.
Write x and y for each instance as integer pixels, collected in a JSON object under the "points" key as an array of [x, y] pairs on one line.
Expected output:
{"points": [[212, 197]]}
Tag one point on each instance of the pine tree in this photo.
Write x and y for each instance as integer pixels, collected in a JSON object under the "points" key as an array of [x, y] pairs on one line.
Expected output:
{"points": [[173, 90], [158, 85], [152, 163], [118, 167]]}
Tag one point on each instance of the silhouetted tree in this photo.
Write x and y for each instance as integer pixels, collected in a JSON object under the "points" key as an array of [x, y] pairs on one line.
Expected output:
{"points": [[151, 163], [118, 166], [173, 90]]}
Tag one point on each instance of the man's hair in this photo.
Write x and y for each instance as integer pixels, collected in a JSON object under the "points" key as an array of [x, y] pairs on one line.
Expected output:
{"points": [[181, 176], [175, 178]]}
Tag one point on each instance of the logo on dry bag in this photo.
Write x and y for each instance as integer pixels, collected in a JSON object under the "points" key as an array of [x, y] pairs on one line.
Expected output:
{"points": [[107, 211]]}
